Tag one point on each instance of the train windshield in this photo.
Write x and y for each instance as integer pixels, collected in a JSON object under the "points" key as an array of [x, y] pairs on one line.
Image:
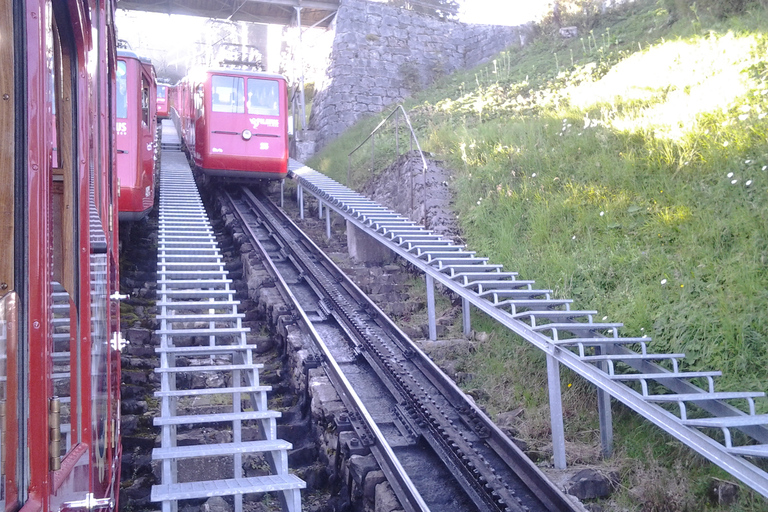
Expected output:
{"points": [[122, 90], [263, 97], [160, 92], [228, 94]]}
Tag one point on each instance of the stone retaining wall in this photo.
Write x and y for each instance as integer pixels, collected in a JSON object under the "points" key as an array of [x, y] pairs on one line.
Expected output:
{"points": [[382, 54]]}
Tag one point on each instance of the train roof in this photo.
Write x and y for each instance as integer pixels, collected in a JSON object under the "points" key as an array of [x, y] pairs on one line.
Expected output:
{"points": [[130, 54], [256, 74], [127, 53]]}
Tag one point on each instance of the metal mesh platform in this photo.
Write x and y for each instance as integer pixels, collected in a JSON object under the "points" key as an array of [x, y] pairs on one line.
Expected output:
{"points": [[201, 340]]}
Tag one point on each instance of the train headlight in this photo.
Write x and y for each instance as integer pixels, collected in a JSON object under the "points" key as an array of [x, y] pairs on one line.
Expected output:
{"points": [[247, 134]]}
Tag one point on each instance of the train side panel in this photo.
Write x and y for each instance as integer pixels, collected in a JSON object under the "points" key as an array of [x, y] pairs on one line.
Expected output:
{"points": [[60, 370], [135, 128]]}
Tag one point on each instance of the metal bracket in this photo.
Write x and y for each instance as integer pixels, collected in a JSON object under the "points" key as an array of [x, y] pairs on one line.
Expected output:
{"points": [[89, 503]]}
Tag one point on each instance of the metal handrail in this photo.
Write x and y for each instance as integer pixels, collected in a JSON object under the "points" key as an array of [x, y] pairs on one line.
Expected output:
{"points": [[412, 139]]}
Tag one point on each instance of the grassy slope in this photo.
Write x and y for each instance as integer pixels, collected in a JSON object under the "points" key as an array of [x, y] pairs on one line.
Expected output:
{"points": [[628, 170]]}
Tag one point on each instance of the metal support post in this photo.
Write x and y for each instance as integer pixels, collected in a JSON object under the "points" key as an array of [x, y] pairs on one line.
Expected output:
{"points": [[605, 416], [465, 316], [328, 223], [556, 412], [397, 132], [300, 194], [431, 307], [282, 193], [301, 69]]}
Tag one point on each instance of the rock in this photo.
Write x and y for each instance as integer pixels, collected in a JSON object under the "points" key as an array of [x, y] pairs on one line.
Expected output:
{"points": [[385, 501], [137, 493], [372, 479], [216, 504], [316, 477], [509, 418], [303, 455], [139, 336], [589, 484], [723, 493], [133, 406], [360, 466]]}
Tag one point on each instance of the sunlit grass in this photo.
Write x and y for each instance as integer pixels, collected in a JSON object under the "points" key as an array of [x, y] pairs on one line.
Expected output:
{"points": [[630, 173]]}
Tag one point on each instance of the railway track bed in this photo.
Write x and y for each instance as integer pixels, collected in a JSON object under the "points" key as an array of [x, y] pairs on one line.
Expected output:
{"points": [[438, 450]]}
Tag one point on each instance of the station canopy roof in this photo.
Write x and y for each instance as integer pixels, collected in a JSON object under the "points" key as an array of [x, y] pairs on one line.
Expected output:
{"points": [[280, 12]]}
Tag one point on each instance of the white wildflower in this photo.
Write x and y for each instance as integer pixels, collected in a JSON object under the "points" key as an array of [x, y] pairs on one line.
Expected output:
{"points": [[663, 281], [733, 182], [748, 183], [730, 175]]}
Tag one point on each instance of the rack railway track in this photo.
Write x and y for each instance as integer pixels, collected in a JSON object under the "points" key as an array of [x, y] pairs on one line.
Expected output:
{"points": [[437, 448]]}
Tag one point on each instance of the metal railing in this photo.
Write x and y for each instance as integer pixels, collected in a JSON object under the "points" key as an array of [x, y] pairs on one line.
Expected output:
{"points": [[412, 139]]}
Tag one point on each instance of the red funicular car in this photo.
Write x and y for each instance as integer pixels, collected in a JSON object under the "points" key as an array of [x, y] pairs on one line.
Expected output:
{"points": [[240, 124], [163, 101], [136, 127]]}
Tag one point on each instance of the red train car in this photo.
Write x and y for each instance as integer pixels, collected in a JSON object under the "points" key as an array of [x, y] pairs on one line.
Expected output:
{"points": [[235, 123], [136, 127], [163, 101], [59, 317]]}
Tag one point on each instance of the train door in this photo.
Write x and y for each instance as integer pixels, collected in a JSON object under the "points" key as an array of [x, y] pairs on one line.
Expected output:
{"points": [[148, 131]]}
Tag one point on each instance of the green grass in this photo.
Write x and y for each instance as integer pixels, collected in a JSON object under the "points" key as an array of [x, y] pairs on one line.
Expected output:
{"points": [[626, 169]]}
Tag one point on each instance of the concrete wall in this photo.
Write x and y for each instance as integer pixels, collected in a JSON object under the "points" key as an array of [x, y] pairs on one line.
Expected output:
{"points": [[382, 54]]}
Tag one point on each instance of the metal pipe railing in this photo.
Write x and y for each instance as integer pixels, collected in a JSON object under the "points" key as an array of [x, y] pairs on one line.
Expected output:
{"points": [[412, 139]]}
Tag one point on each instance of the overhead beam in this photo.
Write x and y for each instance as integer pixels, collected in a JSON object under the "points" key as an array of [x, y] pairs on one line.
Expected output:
{"points": [[281, 12], [304, 4]]}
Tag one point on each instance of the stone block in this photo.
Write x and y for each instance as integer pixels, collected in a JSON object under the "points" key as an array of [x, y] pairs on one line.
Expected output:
{"points": [[362, 247]]}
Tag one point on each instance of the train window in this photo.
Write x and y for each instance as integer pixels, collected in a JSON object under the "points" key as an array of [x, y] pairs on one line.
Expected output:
{"points": [[51, 58], [144, 101], [228, 94], [161, 92], [263, 97], [122, 90]]}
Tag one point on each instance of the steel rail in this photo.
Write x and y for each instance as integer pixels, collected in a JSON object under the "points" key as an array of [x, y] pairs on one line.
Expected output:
{"points": [[409, 496], [492, 438]]}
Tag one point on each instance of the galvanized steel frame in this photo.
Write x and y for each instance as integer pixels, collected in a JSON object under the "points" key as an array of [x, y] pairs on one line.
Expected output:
{"points": [[346, 203]]}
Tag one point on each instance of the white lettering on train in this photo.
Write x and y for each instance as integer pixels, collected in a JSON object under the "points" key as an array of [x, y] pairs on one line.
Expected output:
{"points": [[258, 121]]}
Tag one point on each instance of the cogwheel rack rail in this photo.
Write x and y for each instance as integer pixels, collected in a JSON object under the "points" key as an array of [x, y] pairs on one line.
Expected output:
{"points": [[594, 350]]}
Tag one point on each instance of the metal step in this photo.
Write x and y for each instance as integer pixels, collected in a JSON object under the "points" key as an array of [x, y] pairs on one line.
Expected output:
{"points": [[231, 487], [212, 450], [194, 296], [212, 391], [192, 419]]}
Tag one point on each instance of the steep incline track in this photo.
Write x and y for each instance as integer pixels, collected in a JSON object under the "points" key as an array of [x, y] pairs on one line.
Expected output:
{"points": [[411, 417]]}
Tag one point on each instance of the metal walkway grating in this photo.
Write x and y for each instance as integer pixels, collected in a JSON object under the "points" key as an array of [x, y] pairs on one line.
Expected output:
{"points": [[202, 339], [595, 350]]}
